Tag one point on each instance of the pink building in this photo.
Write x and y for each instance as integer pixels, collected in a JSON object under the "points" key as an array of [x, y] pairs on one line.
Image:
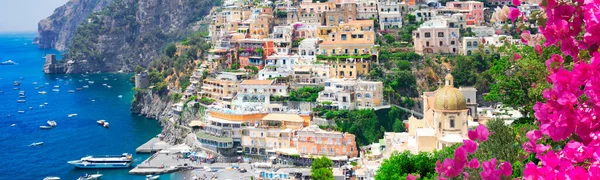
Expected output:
{"points": [[473, 11]]}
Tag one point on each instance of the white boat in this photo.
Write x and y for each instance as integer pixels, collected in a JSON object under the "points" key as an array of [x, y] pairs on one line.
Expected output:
{"points": [[47, 83], [96, 162], [51, 178], [86, 86], [151, 177], [35, 82], [91, 82], [37, 144], [51, 123], [17, 88], [109, 86], [56, 86], [90, 177], [101, 122], [30, 108], [56, 90], [42, 92], [106, 79], [72, 115], [21, 101], [21, 93], [41, 105], [21, 112], [120, 96], [46, 127], [71, 91], [104, 84], [9, 62], [13, 125], [22, 97], [105, 124], [45, 103]]}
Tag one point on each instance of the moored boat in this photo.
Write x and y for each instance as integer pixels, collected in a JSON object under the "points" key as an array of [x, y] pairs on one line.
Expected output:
{"points": [[105, 124], [46, 127], [21, 101], [51, 178], [37, 144], [119, 161], [42, 92], [71, 91], [101, 122], [56, 90], [86, 86], [90, 177], [9, 62], [151, 177], [72, 115], [16, 83]]}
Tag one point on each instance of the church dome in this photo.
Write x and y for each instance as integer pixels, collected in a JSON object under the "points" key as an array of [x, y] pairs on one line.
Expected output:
{"points": [[449, 98]]}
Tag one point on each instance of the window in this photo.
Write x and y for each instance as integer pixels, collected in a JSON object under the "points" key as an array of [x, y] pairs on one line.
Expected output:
{"points": [[304, 149], [284, 61], [417, 35], [452, 43], [427, 34], [345, 51], [451, 123], [364, 66], [440, 34], [441, 43], [314, 149], [427, 43], [368, 95], [475, 44], [469, 52], [468, 44], [359, 95], [344, 37], [355, 51]]}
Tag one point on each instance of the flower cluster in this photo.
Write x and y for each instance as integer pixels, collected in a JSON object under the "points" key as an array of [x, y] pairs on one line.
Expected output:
{"points": [[490, 170], [569, 113]]}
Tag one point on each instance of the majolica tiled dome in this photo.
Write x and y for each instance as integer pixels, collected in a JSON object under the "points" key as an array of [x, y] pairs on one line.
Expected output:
{"points": [[449, 98]]}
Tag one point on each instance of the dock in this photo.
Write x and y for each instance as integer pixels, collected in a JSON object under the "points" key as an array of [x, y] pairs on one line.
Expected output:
{"points": [[152, 146], [161, 163]]}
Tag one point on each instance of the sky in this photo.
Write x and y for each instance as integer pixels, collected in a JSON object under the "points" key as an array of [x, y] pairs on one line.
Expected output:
{"points": [[24, 15]]}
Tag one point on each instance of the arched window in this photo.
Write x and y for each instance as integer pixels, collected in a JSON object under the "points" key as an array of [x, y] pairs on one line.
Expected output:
{"points": [[468, 100], [451, 122], [303, 52], [474, 43], [368, 95], [469, 52], [358, 95], [468, 44]]}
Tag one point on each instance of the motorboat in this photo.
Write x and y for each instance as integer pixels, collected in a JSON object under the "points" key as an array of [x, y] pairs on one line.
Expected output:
{"points": [[51, 123], [37, 144], [35, 83], [51, 178], [91, 82], [107, 161], [56, 90], [41, 105], [109, 86], [21, 101], [106, 79], [16, 83], [45, 103], [21, 93], [30, 108], [120, 96], [13, 125], [9, 62], [151, 177], [16, 88], [56, 86], [46, 127], [71, 91], [105, 124], [42, 92], [101, 122], [78, 89], [86, 86], [72, 115], [21, 112], [104, 84], [90, 177], [22, 97]]}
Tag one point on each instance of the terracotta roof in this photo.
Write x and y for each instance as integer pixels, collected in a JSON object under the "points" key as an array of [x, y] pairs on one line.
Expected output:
{"points": [[257, 82]]}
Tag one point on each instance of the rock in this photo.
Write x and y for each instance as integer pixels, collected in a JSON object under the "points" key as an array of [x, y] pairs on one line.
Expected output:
{"points": [[57, 30]]}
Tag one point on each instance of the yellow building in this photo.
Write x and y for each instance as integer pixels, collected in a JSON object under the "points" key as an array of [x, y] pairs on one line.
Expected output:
{"points": [[352, 38], [273, 131], [221, 91], [348, 68], [260, 28]]}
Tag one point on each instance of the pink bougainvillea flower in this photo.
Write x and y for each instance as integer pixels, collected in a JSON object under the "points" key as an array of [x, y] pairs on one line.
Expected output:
{"points": [[513, 14], [534, 135], [465, 175], [411, 177], [505, 169], [470, 146], [517, 56], [516, 2], [474, 163], [449, 168], [489, 169], [538, 49], [525, 37], [480, 133]]}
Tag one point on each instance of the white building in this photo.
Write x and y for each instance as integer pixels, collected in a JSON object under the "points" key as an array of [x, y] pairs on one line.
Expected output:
{"points": [[308, 50], [351, 94], [471, 45], [424, 14], [282, 39], [483, 31], [255, 95], [439, 35], [366, 9], [278, 66], [389, 14]]}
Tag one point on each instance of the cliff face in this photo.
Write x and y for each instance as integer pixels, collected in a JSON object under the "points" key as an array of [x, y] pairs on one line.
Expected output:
{"points": [[57, 30], [128, 33]]}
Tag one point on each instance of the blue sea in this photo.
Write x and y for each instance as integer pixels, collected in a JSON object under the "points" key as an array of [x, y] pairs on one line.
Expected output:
{"points": [[74, 137]]}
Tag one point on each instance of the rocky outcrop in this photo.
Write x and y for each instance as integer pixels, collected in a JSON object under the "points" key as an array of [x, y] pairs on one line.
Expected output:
{"points": [[129, 33], [57, 30]]}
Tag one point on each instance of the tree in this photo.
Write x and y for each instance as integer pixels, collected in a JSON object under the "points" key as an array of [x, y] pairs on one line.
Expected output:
{"points": [[400, 164], [235, 66], [253, 69], [389, 38], [403, 65], [399, 126], [139, 69], [321, 169], [170, 50]]}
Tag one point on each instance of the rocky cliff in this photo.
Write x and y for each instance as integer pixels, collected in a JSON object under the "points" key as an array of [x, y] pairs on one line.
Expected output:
{"points": [[128, 33], [57, 30], [151, 105]]}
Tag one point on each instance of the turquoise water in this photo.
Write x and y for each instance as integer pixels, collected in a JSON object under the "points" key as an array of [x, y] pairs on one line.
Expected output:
{"points": [[73, 138]]}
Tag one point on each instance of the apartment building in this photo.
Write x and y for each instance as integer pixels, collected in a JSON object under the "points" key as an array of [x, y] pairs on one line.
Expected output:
{"points": [[307, 49], [255, 95], [278, 66], [310, 74], [352, 38], [252, 52], [389, 14], [312, 12], [282, 39], [349, 68], [473, 11], [306, 30], [222, 91], [366, 9], [223, 130], [439, 35], [261, 26], [344, 13], [274, 131], [315, 142], [424, 14], [352, 94], [471, 45]]}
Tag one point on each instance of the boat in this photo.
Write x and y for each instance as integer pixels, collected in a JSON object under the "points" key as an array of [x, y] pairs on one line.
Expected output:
{"points": [[51, 178], [56, 90], [42, 92], [101, 122], [21, 101], [30, 108], [21, 112], [22, 97], [109, 161], [13, 125], [46, 127], [16, 83], [105, 124], [51, 123], [109, 86], [47, 83], [106, 79], [151, 177], [104, 84], [72, 115], [56, 86], [85, 86], [90, 177], [41, 105], [37, 144], [9, 62], [45, 103], [120, 96], [35, 83], [16, 88], [79, 89], [91, 82], [21, 93], [71, 91]]}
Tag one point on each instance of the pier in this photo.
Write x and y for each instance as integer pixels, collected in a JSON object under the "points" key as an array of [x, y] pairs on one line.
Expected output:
{"points": [[152, 146]]}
